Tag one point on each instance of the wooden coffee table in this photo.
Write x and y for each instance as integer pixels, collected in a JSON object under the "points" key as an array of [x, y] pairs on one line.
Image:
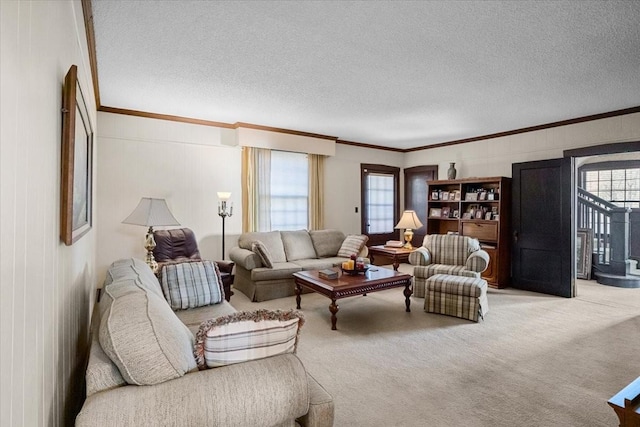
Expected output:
{"points": [[376, 279], [398, 255]]}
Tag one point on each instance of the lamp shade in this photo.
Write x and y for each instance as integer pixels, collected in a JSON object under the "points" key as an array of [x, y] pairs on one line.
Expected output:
{"points": [[224, 195], [151, 212], [410, 220]]}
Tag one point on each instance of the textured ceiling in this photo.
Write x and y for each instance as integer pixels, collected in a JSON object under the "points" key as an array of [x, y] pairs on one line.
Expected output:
{"points": [[396, 74]]}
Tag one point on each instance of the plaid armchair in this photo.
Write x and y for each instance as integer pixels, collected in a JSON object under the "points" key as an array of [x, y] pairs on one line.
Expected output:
{"points": [[446, 254]]}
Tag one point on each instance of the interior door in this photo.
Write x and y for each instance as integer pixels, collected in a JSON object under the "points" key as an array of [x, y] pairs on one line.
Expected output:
{"points": [[415, 196], [542, 251], [380, 201]]}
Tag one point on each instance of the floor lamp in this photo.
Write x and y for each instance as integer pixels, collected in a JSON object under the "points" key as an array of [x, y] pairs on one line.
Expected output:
{"points": [[223, 212]]}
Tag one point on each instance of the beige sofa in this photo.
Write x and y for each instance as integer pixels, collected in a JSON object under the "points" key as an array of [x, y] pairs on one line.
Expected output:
{"points": [[291, 251], [274, 391]]}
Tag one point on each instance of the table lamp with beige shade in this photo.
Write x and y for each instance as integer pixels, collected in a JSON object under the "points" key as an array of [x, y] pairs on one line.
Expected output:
{"points": [[151, 212], [409, 221]]}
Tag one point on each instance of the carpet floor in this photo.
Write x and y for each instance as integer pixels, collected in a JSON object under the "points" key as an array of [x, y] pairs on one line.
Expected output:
{"points": [[536, 360]]}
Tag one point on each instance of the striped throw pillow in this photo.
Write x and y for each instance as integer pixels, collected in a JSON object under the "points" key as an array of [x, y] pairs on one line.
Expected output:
{"points": [[191, 284], [353, 244], [265, 256], [246, 335]]}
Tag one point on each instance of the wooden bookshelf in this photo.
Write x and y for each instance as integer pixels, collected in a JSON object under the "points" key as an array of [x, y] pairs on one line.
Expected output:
{"points": [[479, 208]]}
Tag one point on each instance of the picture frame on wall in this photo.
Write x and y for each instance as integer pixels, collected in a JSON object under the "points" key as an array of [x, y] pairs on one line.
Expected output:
{"points": [[76, 215]]}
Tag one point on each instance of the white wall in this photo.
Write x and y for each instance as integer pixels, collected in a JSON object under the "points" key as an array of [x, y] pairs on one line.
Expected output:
{"points": [[493, 157], [187, 164], [46, 287], [342, 184], [183, 163]]}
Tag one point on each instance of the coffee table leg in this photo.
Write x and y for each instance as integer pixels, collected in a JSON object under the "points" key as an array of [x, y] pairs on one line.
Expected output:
{"points": [[298, 292], [396, 263], [333, 308], [407, 294]]}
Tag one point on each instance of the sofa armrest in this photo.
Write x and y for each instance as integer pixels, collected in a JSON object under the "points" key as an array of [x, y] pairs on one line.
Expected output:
{"points": [[478, 261], [225, 266], [321, 410], [245, 258], [269, 391], [420, 256]]}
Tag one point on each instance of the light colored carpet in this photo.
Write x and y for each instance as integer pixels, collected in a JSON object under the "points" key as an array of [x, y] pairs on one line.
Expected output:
{"points": [[535, 360]]}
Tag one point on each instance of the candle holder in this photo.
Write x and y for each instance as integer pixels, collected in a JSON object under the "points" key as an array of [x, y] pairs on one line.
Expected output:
{"points": [[223, 212]]}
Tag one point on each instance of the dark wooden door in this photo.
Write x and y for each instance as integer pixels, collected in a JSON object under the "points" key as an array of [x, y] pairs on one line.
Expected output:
{"points": [[380, 201], [543, 258], [415, 196]]}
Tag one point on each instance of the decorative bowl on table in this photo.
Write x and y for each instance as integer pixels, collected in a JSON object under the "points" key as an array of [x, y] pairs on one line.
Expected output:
{"points": [[355, 271]]}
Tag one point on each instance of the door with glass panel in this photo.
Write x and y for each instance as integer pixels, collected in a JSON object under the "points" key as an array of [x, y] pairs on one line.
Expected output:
{"points": [[380, 202]]}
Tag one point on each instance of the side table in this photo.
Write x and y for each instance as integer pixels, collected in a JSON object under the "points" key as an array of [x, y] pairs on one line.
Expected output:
{"points": [[398, 255]]}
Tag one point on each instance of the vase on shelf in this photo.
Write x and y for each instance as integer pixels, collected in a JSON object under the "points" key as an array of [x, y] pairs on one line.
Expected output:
{"points": [[451, 173]]}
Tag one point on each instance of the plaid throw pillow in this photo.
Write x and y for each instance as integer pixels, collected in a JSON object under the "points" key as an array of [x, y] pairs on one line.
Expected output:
{"points": [[353, 244], [191, 284], [246, 335]]}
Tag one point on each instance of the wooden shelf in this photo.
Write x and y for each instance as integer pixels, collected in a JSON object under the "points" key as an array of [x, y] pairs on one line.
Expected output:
{"points": [[493, 234]]}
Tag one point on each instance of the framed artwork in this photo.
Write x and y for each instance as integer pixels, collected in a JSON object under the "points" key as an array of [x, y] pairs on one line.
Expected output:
{"points": [[478, 213], [471, 196], [435, 212], [445, 195], [456, 195], [446, 211], [466, 215], [584, 240], [434, 195], [77, 162], [482, 195], [487, 216], [456, 213]]}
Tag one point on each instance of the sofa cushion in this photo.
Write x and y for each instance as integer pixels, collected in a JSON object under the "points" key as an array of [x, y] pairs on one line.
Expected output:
{"points": [[426, 271], [448, 249], [247, 335], [352, 245], [280, 270], [261, 250], [142, 336], [298, 245], [326, 242], [128, 268], [320, 263], [191, 284], [195, 316], [271, 239]]}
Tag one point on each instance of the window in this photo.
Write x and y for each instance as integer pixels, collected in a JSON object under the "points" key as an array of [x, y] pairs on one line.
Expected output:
{"points": [[289, 191], [380, 205], [615, 182]]}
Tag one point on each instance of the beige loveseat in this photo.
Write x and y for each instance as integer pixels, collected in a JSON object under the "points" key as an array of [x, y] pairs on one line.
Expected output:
{"points": [[290, 251], [273, 391]]}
